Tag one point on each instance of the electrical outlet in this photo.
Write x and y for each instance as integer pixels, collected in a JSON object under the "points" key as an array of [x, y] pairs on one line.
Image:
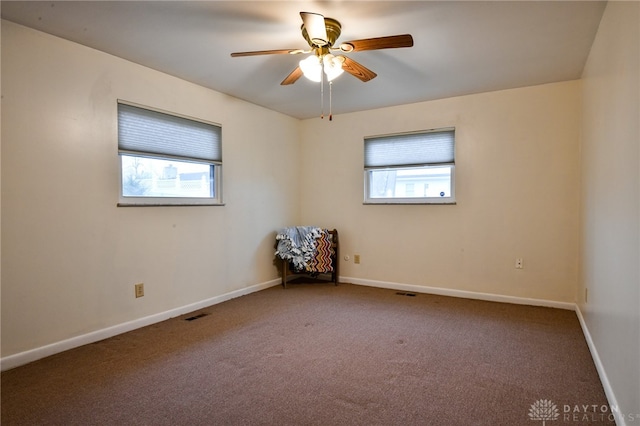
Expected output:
{"points": [[519, 264], [356, 258], [139, 289]]}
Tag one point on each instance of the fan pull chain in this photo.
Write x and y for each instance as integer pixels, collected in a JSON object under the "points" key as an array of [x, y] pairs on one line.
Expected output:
{"points": [[330, 91], [322, 92]]}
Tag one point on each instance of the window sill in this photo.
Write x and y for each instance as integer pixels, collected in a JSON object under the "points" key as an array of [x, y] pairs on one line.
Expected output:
{"points": [[169, 205], [408, 203]]}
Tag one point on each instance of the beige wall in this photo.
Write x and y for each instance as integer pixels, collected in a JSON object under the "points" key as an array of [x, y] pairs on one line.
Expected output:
{"points": [[70, 257], [517, 179], [610, 206]]}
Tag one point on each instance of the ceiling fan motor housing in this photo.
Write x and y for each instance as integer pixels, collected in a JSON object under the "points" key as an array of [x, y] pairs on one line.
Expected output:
{"points": [[333, 28]]}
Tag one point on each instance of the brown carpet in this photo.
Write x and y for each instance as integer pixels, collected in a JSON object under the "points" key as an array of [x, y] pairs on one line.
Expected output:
{"points": [[317, 354]]}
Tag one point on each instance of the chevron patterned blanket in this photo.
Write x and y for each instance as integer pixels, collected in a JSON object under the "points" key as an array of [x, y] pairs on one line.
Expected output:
{"points": [[321, 261], [307, 248]]}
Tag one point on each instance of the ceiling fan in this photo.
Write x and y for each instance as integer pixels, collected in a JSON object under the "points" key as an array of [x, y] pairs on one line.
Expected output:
{"points": [[321, 34]]}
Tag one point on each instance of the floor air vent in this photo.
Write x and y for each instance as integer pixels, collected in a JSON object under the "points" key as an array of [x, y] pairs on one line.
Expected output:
{"points": [[402, 293], [195, 317]]}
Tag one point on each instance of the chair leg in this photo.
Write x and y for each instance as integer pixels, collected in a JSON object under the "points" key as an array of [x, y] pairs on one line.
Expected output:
{"points": [[284, 273]]}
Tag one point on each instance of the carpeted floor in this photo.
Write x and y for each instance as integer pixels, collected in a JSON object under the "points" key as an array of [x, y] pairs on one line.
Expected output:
{"points": [[317, 354]]}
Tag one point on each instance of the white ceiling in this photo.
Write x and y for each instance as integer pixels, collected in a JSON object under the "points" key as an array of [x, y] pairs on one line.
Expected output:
{"points": [[459, 47]]}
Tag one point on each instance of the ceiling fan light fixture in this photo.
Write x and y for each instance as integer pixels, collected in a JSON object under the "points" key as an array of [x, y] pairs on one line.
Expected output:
{"points": [[311, 68], [332, 66]]}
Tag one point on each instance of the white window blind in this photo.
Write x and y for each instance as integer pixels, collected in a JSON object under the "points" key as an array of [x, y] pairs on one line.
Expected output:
{"points": [[427, 148], [150, 132]]}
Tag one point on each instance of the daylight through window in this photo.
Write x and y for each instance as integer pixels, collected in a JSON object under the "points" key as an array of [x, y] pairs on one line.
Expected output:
{"points": [[166, 159], [410, 168]]}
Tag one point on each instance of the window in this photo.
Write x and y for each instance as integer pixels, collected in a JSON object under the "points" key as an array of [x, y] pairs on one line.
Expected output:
{"points": [[166, 159], [410, 168]]}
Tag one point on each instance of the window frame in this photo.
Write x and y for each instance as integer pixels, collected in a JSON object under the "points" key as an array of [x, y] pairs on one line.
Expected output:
{"points": [[149, 201], [422, 200]]}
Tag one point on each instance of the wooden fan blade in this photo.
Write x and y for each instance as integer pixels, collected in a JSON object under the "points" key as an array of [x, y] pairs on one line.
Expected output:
{"points": [[358, 70], [390, 42], [266, 52], [293, 77]]}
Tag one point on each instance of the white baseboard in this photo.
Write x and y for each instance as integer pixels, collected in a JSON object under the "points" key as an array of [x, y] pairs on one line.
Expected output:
{"points": [[460, 293], [22, 358], [608, 390]]}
